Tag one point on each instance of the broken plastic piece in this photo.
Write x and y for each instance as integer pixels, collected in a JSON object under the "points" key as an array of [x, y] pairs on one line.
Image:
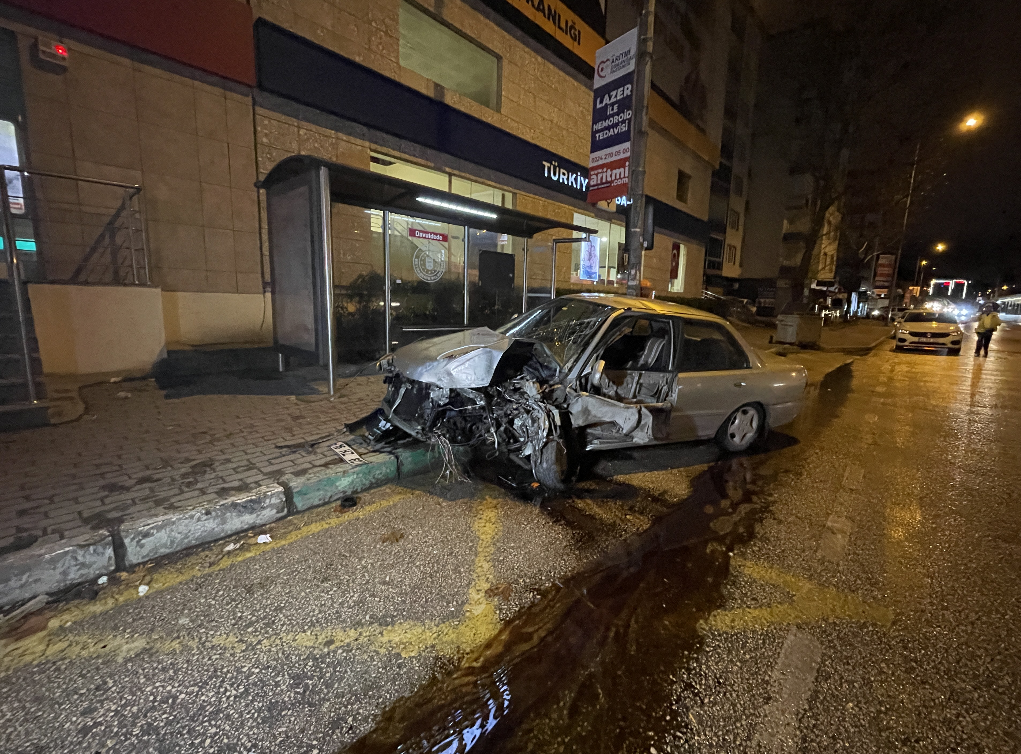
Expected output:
{"points": [[232, 546], [264, 539], [102, 580], [142, 590]]}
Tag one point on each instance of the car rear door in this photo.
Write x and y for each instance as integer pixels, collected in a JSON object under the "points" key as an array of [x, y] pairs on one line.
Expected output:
{"points": [[714, 377]]}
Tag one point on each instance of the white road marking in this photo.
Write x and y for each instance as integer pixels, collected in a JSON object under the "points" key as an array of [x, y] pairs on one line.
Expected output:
{"points": [[793, 679], [833, 544], [853, 477]]}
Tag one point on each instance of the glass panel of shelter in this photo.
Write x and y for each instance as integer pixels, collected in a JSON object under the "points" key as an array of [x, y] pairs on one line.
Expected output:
{"points": [[427, 280], [427, 269]]}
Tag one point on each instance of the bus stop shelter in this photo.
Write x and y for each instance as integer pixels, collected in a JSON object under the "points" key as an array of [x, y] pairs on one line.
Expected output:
{"points": [[363, 262]]}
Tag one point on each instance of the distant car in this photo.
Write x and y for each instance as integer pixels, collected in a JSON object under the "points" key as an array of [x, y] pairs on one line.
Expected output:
{"points": [[587, 372], [930, 331]]}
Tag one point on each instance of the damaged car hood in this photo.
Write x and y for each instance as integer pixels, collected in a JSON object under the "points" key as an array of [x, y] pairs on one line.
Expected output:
{"points": [[466, 359]]}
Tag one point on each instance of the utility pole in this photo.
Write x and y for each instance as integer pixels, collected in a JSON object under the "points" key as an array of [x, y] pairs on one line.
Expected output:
{"points": [[903, 232], [639, 141]]}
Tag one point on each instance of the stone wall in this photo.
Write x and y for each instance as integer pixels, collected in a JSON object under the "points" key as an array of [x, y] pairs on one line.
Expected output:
{"points": [[188, 144]]}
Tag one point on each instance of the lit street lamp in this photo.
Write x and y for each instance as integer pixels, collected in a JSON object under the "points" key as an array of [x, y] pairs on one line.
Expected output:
{"points": [[970, 123], [921, 263]]}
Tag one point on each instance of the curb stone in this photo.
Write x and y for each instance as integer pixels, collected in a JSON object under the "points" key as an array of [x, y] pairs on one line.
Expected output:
{"points": [[153, 537], [326, 485], [50, 568]]}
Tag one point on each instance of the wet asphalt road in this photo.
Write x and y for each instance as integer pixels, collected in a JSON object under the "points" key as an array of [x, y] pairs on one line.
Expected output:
{"points": [[852, 588]]}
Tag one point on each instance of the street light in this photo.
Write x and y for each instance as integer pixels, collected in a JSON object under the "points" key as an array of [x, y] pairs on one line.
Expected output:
{"points": [[970, 123], [921, 263], [941, 246]]}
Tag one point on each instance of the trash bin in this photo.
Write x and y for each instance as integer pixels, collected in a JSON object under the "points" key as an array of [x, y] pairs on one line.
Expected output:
{"points": [[798, 329]]}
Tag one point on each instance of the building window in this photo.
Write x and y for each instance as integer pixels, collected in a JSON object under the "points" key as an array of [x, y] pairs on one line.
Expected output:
{"points": [[407, 171], [441, 54], [731, 254], [683, 185], [737, 186], [734, 221]]}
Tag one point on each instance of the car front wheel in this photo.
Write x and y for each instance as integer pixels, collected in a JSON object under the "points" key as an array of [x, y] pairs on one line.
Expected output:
{"points": [[741, 429], [555, 466]]}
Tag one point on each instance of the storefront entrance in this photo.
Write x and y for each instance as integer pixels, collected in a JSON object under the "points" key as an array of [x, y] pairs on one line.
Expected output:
{"points": [[403, 261]]}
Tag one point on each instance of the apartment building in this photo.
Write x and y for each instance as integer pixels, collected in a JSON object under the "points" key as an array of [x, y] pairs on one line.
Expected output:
{"points": [[144, 129], [729, 201]]}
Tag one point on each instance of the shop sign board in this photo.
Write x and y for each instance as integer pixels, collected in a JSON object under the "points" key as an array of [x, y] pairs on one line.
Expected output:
{"points": [[589, 267], [427, 235], [9, 156], [612, 95], [557, 20], [884, 273]]}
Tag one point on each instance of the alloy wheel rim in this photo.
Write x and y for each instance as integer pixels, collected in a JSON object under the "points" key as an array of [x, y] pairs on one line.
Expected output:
{"points": [[744, 426]]}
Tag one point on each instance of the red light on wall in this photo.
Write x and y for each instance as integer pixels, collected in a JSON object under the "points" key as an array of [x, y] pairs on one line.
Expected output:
{"points": [[53, 52]]}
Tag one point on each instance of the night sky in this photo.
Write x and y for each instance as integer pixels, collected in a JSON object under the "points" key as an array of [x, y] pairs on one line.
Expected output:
{"points": [[976, 209]]}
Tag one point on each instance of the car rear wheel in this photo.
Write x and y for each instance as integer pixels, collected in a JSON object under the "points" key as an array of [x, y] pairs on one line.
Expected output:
{"points": [[742, 428]]}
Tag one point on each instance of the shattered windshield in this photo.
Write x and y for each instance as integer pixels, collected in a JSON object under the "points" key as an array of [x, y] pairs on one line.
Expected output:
{"points": [[565, 326]]}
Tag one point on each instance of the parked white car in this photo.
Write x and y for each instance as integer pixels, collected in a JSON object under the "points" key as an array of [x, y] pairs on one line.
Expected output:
{"points": [[588, 372], [929, 331]]}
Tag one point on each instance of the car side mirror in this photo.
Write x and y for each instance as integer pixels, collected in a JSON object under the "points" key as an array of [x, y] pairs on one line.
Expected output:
{"points": [[596, 373]]}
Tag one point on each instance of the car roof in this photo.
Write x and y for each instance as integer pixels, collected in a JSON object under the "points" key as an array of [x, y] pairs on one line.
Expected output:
{"points": [[650, 305]]}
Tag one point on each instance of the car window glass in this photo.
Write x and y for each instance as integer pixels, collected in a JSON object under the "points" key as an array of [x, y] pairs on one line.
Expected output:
{"points": [[564, 325], [638, 344], [708, 347]]}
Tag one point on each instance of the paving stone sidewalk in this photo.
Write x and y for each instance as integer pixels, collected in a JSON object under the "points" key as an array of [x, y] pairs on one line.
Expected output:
{"points": [[135, 452], [835, 337]]}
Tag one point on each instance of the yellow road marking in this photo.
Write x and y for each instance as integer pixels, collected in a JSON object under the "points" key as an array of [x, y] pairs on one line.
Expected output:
{"points": [[184, 570], [811, 603], [458, 636]]}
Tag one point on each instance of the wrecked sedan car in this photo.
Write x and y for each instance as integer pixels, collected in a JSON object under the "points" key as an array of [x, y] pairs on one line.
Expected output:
{"points": [[587, 372]]}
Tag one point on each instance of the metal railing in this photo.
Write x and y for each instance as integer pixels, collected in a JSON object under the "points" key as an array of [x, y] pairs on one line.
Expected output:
{"points": [[71, 229]]}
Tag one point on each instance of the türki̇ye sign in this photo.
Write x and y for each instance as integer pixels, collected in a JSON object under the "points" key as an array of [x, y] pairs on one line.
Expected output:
{"points": [[610, 152]]}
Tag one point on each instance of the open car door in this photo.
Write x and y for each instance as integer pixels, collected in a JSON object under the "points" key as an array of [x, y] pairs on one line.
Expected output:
{"points": [[630, 384]]}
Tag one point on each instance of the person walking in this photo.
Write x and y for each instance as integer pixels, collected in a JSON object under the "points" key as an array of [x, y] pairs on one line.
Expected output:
{"points": [[988, 321]]}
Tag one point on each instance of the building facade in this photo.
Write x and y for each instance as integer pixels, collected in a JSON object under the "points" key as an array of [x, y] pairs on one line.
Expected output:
{"points": [[144, 132]]}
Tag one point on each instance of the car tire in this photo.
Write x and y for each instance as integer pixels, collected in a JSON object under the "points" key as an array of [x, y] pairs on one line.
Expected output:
{"points": [[898, 348], [555, 466], [955, 352], [742, 428]]}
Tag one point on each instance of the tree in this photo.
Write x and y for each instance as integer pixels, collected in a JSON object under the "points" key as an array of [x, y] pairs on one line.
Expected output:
{"points": [[867, 79]]}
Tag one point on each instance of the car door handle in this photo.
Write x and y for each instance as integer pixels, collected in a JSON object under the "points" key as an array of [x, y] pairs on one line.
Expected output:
{"points": [[740, 384]]}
